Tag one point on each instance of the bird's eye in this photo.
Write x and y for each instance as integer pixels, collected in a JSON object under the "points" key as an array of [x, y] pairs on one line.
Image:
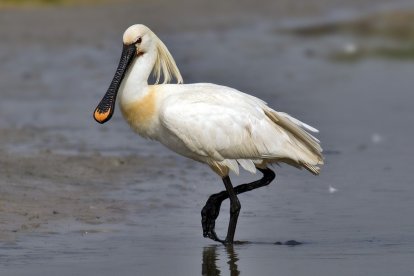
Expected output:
{"points": [[139, 40]]}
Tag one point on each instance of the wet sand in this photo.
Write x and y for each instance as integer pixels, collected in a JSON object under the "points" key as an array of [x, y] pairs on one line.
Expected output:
{"points": [[80, 198]]}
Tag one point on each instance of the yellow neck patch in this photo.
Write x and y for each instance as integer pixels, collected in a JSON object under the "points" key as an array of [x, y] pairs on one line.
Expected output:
{"points": [[140, 113]]}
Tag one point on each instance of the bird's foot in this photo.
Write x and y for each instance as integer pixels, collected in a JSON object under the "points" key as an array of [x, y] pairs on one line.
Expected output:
{"points": [[209, 214], [212, 235]]}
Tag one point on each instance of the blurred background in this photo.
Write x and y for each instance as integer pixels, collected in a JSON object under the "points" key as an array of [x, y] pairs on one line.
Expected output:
{"points": [[81, 198]]}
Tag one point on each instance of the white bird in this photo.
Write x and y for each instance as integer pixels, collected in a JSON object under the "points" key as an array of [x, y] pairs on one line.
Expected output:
{"points": [[216, 125]]}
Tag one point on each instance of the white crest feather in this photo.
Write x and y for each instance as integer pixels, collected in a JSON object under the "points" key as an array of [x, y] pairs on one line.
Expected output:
{"points": [[165, 64]]}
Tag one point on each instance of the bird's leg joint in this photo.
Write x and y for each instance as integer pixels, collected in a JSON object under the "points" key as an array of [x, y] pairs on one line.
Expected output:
{"points": [[235, 206]]}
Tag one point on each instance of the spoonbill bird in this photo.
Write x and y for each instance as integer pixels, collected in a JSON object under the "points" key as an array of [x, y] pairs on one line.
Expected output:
{"points": [[216, 125]]}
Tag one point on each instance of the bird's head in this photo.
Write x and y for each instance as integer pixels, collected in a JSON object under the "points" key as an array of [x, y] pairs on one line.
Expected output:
{"points": [[138, 40]]}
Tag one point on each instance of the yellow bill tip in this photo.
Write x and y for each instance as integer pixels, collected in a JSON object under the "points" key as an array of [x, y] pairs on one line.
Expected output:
{"points": [[102, 117]]}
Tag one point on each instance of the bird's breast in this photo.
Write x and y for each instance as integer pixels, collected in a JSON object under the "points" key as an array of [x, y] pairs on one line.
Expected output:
{"points": [[141, 114]]}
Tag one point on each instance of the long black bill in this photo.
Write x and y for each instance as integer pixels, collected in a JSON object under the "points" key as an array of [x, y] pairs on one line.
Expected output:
{"points": [[105, 109]]}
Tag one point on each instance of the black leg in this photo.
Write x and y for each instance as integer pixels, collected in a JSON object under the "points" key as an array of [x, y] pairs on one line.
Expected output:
{"points": [[210, 213], [234, 210], [211, 210]]}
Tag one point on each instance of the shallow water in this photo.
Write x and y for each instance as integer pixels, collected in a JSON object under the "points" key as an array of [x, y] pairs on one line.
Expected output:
{"points": [[80, 198]]}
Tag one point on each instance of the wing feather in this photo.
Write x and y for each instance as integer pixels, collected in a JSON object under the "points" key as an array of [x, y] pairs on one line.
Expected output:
{"points": [[233, 128]]}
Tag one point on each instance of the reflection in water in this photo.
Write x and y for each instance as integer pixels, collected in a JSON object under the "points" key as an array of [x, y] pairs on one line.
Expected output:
{"points": [[209, 264], [234, 271]]}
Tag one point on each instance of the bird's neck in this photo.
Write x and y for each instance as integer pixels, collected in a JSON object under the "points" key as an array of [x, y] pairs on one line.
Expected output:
{"points": [[135, 82]]}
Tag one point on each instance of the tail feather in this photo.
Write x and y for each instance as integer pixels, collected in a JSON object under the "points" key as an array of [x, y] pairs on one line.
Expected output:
{"points": [[308, 147], [313, 169]]}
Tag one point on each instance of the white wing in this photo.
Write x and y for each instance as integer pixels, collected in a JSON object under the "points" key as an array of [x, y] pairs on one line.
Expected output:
{"points": [[224, 124]]}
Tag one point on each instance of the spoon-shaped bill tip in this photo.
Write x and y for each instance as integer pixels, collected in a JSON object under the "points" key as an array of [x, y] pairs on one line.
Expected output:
{"points": [[102, 116]]}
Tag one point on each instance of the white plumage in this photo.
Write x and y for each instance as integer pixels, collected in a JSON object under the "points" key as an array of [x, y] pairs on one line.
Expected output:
{"points": [[213, 124], [223, 127]]}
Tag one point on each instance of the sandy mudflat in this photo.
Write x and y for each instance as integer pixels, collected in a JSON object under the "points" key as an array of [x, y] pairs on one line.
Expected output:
{"points": [[80, 198]]}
